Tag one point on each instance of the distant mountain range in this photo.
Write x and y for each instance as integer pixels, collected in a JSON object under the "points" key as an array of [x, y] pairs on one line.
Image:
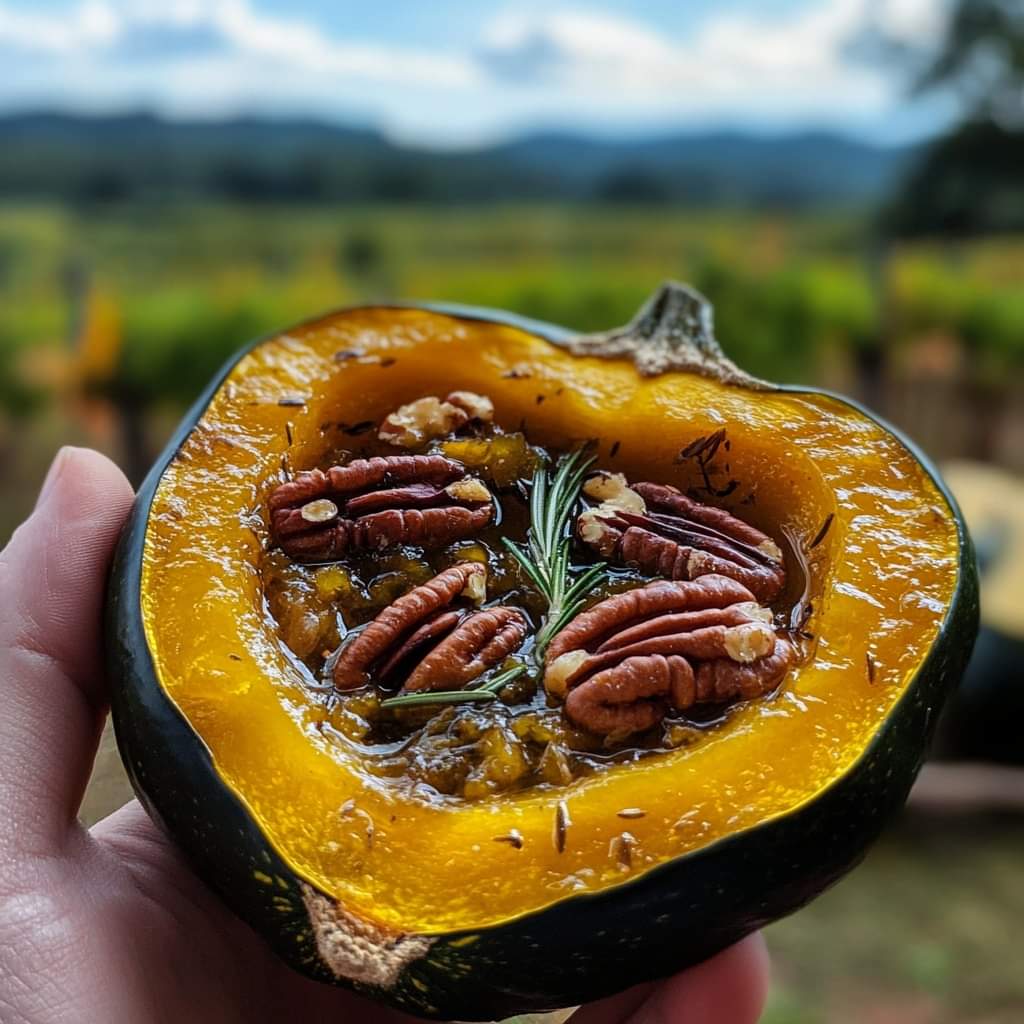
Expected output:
{"points": [[138, 156]]}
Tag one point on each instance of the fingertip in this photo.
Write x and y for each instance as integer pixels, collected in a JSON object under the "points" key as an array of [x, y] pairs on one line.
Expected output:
{"points": [[77, 472], [52, 474], [730, 988], [52, 580], [56, 563], [757, 967], [85, 498], [82, 472]]}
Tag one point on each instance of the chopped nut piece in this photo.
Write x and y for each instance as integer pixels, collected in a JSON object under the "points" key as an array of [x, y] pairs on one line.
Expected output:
{"points": [[748, 642], [476, 584], [469, 489], [477, 407], [413, 424], [320, 511], [561, 670], [593, 529], [612, 491], [417, 422]]}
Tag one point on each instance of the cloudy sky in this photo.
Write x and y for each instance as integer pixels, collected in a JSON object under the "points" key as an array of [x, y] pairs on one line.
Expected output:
{"points": [[463, 71]]}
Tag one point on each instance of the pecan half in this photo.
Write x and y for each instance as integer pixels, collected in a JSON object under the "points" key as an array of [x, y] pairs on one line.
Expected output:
{"points": [[623, 664], [370, 504], [479, 642], [454, 645], [661, 531], [417, 422]]}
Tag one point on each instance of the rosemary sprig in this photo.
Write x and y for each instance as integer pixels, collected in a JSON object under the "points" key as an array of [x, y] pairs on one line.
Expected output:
{"points": [[494, 685], [545, 557], [486, 691]]}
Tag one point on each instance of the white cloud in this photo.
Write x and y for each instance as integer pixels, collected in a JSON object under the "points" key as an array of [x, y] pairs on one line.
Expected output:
{"points": [[909, 21], [89, 24], [207, 57], [182, 31], [733, 61], [580, 47]]}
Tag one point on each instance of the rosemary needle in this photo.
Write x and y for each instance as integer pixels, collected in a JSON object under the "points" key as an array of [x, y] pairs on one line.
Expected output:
{"points": [[487, 691]]}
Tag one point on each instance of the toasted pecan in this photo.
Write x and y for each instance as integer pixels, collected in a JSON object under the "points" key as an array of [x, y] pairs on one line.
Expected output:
{"points": [[630, 659], [454, 645], [399, 620], [479, 642], [377, 503], [663, 532]]}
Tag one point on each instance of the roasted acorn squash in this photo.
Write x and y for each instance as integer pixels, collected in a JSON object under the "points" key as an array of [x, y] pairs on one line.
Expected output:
{"points": [[551, 894]]}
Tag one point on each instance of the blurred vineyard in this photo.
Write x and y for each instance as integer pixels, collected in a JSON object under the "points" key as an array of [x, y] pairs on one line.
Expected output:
{"points": [[112, 319]]}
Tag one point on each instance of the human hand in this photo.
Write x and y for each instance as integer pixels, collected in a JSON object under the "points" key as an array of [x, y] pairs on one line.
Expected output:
{"points": [[109, 925]]}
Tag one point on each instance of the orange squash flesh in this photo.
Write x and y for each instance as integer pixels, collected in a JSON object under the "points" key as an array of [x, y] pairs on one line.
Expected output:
{"points": [[881, 583]]}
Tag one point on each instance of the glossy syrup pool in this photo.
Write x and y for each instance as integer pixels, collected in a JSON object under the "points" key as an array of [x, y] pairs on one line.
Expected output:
{"points": [[467, 751]]}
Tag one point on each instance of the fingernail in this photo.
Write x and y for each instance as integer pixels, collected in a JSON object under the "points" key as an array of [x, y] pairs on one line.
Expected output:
{"points": [[53, 474]]}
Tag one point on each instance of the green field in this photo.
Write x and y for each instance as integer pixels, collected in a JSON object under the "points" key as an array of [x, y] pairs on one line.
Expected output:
{"points": [[787, 288]]}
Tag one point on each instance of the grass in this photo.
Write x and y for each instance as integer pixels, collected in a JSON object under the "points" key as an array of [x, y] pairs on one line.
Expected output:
{"points": [[926, 929]]}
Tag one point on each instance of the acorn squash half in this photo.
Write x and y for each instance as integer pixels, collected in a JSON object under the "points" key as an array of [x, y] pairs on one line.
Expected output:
{"points": [[411, 899]]}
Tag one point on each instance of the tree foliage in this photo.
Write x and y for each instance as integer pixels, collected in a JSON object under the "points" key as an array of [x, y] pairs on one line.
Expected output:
{"points": [[971, 181], [981, 56]]}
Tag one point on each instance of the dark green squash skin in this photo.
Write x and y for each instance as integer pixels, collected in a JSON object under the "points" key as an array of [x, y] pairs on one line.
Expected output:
{"points": [[584, 947]]}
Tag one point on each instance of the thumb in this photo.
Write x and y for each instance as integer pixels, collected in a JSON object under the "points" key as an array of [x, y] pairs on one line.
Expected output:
{"points": [[52, 579], [730, 988]]}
